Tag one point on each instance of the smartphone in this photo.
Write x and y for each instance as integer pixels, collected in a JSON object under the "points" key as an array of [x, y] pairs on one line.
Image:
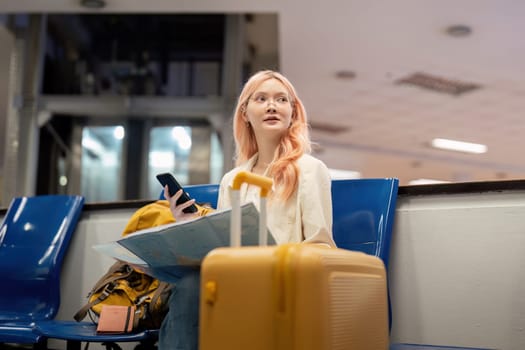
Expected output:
{"points": [[173, 187]]}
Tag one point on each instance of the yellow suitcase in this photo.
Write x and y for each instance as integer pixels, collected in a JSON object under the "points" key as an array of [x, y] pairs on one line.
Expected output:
{"points": [[292, 296]]}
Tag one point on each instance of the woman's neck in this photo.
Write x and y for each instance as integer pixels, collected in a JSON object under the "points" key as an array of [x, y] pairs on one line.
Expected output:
{"points": [[259, 168], [266, 151], [265, 155]]}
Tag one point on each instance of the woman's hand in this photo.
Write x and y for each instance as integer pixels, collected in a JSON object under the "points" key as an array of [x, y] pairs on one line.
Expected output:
{"points": [[177, 210]]}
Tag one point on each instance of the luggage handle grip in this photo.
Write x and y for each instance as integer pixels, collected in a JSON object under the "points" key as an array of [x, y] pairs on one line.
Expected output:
{"points": [[265, 184]]}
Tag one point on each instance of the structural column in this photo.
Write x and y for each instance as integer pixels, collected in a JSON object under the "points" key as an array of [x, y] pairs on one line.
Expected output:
{"points": [[231, 81], [22, 130]]}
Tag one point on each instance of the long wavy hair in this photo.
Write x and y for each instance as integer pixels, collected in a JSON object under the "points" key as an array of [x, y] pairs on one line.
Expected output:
{"points": [[283, 169]]}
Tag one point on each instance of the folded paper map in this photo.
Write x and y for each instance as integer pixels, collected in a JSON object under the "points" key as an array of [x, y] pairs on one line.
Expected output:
{"points": [[166, 251]]}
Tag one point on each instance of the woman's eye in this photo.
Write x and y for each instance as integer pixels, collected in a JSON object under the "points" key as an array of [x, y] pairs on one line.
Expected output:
{"points": [[282, 99], [260, 98]]}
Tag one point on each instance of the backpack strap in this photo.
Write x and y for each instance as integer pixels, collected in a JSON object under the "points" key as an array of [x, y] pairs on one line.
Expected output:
{"points": [[81, 314], [108, 283], [162, 288], [153, 312]]}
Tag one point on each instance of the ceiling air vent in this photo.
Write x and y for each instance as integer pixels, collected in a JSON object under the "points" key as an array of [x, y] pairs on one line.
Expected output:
{"points": [[438, 84], [328, 128]]}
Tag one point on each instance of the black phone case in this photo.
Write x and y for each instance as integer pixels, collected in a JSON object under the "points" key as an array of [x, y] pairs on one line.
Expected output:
{"points": [[173, 187]]}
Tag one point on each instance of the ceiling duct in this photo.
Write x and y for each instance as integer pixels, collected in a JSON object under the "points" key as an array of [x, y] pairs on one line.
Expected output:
{"points": [[438, 84], [328, 128]]}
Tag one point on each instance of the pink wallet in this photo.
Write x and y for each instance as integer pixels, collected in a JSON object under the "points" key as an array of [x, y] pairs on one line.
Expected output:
{"points": [[116, 319]]}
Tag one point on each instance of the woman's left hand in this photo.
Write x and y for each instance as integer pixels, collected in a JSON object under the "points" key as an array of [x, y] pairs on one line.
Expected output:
{"points": [[177, 210]]}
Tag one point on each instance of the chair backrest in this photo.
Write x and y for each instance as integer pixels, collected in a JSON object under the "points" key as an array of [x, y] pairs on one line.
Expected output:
{"points": [[204, 194], [363, 214], [34, 237]]}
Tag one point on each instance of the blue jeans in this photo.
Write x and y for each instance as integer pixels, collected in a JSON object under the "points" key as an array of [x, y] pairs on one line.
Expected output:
{"points": [[180, 328]]}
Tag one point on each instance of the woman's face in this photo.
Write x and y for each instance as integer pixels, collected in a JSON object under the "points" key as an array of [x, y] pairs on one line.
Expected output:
{"points": [[269, 110]]}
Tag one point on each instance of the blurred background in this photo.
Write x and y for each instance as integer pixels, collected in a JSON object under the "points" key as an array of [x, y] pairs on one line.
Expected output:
{"points": [[98, 96]]}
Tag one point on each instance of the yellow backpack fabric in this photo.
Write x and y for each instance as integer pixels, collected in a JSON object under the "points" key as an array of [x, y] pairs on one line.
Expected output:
{"points": [[123, 285], [151, 215]]}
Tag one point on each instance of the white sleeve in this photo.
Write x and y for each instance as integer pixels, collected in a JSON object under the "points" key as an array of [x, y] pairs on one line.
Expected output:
{"points": [[223, 200], [315, 199]]}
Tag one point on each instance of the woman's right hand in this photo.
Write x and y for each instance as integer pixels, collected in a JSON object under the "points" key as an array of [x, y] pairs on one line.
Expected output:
{"points": [[177, 210]]}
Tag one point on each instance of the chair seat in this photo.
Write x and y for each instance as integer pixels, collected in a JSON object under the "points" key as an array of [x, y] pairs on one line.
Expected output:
{"points": [[22, 333], [87, 331]]}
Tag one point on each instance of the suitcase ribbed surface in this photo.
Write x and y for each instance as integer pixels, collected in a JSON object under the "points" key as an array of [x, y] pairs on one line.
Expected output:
{"points": [[357, 304]]}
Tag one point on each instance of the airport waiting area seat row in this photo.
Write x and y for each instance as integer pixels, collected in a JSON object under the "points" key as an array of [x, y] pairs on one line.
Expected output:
{"points": [[36, 231]]}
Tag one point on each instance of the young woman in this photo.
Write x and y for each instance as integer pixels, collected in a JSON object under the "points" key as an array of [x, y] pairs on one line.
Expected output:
{"points": [[271, 136]]}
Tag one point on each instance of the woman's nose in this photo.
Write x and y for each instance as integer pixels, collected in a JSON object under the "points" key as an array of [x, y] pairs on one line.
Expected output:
{"points": [[270, 108], [270, 105]]}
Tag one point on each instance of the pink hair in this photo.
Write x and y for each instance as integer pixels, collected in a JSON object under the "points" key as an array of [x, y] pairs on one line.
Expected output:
{"points": [[293, 145]]}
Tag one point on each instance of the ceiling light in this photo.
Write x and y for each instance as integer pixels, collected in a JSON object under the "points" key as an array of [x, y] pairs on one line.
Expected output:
{"points": [[93, 4], [460, 146], [344, 174], [426, 182]]}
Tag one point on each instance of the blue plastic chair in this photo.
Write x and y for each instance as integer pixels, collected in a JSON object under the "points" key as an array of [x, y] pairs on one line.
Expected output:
{"points": [[363, 215], [34, 237]]}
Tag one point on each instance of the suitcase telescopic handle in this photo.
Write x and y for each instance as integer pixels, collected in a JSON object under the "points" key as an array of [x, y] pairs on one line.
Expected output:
{"points": [[265, 184]]}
